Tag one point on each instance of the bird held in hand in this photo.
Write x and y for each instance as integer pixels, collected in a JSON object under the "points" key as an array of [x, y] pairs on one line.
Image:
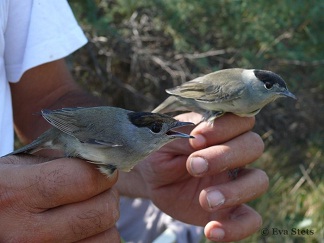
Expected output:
{"points": [[243, 92], [110, 137]]}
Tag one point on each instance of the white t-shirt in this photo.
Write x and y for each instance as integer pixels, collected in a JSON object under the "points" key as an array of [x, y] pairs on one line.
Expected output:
{"points": [[32, 32]]}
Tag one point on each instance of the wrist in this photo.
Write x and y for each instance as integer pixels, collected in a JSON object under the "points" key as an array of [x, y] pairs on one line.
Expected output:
{"points": [[132, 184]]}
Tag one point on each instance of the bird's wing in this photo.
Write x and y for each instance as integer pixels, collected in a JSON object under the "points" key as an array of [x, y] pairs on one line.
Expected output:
{"points": [[75, 122], [210, 89], [171, 104]]}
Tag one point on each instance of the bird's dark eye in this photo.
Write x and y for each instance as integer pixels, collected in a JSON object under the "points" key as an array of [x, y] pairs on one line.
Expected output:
{"points": [[268, 85], [156, 127]]}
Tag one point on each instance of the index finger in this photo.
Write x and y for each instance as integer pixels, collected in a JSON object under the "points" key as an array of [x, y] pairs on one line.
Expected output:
{"points": [[222, 130]]}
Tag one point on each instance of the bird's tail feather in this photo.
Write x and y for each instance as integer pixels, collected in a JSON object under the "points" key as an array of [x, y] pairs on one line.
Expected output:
{"points": [[171, 104], [33, 147]]}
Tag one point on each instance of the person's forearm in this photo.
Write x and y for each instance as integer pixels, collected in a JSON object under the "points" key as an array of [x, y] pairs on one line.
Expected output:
{"points": [[49, 86]]}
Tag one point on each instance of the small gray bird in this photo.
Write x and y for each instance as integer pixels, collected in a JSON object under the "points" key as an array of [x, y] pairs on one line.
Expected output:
{"points": [[243, 92], [110, 137]]}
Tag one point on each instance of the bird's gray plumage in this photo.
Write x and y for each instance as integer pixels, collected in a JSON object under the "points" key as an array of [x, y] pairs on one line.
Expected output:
{"points": [[110, 137], [205, 89], [243, 92]]}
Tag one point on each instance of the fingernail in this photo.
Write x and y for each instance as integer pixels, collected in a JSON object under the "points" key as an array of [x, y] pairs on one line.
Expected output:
{"points": [[215, 198], [198, 165], [217, 234], [199, 141]]}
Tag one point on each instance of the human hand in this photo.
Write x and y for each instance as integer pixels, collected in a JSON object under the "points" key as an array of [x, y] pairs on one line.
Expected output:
{"points": [[61, 200], [188, 179]]}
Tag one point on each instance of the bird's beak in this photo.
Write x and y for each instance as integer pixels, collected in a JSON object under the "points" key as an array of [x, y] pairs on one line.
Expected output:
{"points": [[287, 93], [176, 134]]}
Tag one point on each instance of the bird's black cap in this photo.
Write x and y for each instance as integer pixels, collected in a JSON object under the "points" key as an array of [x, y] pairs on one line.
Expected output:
{"points": [[155, 121], [268, 77]]}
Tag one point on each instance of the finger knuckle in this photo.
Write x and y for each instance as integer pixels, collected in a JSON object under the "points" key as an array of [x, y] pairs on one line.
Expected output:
{"points": [[112, 234], [111, 207]]}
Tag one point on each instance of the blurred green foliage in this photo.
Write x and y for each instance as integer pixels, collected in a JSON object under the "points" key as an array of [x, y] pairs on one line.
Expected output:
{"points": [[138, 48], [259, 30]]}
